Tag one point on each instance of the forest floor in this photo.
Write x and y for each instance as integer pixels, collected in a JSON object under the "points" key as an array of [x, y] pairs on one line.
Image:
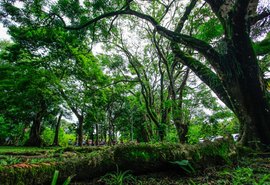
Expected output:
{"points": [[253, 169], [250, 170]]}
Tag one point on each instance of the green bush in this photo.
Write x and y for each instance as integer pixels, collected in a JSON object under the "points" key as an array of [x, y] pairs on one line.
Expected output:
{"points": [[246, 176], [48, 136]]}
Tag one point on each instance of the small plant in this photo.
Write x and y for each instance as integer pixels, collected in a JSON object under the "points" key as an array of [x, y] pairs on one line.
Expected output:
{"points": [[55, 177], [185, 165], [9, 160], [246, 176], [118, 177]]}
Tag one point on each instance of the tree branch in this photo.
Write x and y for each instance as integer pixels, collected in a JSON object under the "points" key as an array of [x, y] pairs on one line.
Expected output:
{"points": [[254, 19], [204, 73], [204, 48], [183, 19]]}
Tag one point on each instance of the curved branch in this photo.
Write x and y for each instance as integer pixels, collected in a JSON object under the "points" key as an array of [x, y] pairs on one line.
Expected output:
{"points": [[204, 48]]}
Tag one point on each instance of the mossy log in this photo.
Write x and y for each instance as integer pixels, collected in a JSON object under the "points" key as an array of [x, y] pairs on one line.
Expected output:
{"points": [[140, 158]]}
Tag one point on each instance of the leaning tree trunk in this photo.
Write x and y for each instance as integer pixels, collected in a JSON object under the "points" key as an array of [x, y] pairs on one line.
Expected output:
{"points": [[57, 128], [249, 94], [251, 108]]}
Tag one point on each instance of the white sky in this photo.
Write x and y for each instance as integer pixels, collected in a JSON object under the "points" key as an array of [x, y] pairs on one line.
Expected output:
{"points": [[3, 33]]}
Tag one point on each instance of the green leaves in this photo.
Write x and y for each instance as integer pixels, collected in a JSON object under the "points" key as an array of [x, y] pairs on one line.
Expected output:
{"points": [[118, 177], [210, 30], [55, 177], [185, 165]]}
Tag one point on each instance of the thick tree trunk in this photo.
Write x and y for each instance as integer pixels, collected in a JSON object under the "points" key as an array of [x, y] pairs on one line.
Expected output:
{"points": [[34, 138], [253, 113], [57, 128], [249, 98]]}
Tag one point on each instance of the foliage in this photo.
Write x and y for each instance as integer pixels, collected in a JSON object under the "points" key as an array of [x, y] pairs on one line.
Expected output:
{"points": [[118, 177], [55, 177], [245, 175], [203, 130], [10, 134], [185, 165], [9, 160], [64, 139]]}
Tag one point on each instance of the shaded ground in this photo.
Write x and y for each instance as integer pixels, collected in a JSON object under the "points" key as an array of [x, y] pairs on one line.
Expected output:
{"points": [[253, 170]]}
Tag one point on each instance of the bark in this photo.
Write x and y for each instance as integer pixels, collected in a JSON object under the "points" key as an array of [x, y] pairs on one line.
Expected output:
{"points": [[242, 78], [80, 130], [180, 122], [34, 138], [35, 132], [147, 96], [57, 128], [79, 114]]}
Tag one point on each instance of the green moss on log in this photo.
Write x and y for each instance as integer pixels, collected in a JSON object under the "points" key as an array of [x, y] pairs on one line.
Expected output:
{"points": [[140, 158]]}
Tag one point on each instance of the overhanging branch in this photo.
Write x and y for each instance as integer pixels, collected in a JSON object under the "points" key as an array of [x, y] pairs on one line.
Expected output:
{"points": [[204, 48], [205, 74]]}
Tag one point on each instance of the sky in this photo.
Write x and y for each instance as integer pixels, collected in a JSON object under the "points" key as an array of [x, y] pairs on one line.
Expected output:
{"points": [[3, 33]]}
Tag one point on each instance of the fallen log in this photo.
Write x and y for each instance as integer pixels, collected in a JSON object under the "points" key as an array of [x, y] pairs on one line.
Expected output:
{"points": [[139, 158]]}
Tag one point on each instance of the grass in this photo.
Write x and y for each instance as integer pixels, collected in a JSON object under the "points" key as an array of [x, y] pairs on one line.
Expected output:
{"points": [[249, 170], [253, 169], [19, 149]]}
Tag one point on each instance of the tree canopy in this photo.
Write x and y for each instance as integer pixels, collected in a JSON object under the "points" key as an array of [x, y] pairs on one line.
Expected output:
{"points": [[163, 70]]}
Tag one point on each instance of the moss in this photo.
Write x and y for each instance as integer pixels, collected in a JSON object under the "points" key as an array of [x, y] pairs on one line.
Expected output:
{"points": [[140, 158]]}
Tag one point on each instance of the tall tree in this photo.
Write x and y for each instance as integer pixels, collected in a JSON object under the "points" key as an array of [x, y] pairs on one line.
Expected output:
{"points": [[234, 74]]}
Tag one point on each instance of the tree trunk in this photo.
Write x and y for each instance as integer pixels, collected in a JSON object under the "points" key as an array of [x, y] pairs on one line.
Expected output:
{"points": [[92, 136], [252, 111], [161, 132], [34, 138], [97, 130], [80, 131], [105, 135], [179, 116], [182, 130], [57, 128]]}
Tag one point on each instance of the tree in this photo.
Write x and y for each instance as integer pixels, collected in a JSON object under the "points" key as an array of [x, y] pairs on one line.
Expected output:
{"points": [[227, 62], [234, 74], [27, 92]]}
